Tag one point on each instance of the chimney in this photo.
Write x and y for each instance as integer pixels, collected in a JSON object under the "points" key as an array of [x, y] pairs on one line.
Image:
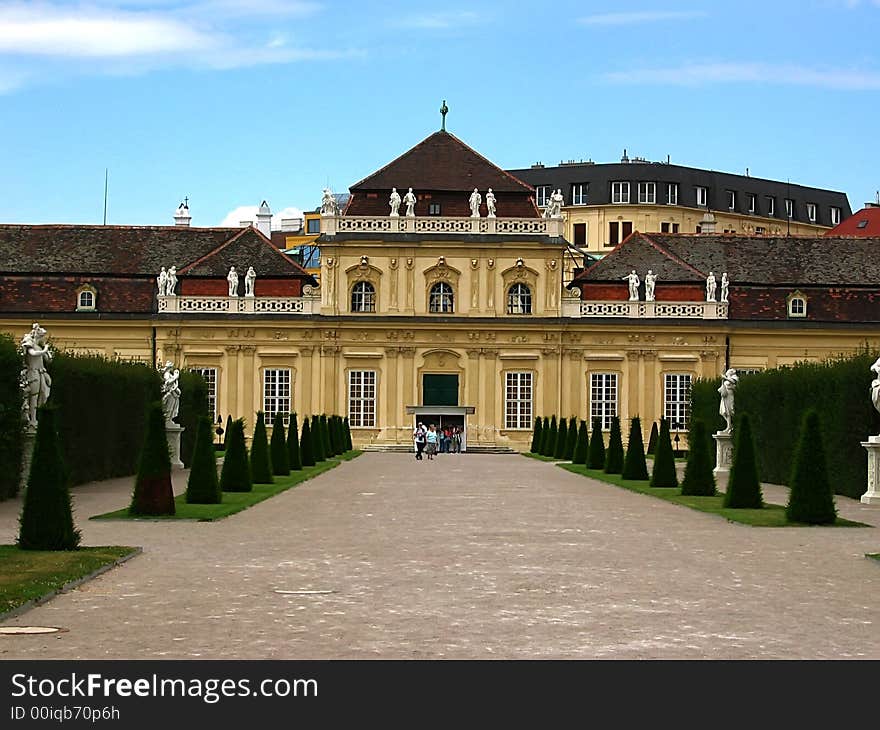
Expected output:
{"points": [[624, 159], [264, 220], [182, 216]]}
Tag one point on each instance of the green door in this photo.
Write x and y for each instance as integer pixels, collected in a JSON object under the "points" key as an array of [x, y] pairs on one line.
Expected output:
{"points": [[440, 390]]}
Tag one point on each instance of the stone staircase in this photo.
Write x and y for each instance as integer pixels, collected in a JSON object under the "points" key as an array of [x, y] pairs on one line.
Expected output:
{"points": [[408, 449]]}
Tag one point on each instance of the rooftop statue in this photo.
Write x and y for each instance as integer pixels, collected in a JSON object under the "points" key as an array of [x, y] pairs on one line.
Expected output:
{"points": [[162, 282], [232, 278], [171, 283], [490, 203], [711, 284], [249, 280], [474, 201], [328, 203], [394, 202], [650, 280], [725, 287], [410, 200], [633, 279]]}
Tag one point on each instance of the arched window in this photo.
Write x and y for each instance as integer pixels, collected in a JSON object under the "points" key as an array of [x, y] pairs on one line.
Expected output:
{"points": [[797, 305], [440, 300], [519, 299], [363, 297], [85, 300]]}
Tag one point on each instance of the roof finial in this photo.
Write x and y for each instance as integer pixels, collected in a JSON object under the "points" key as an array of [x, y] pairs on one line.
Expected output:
{"points": [[444, 110]]}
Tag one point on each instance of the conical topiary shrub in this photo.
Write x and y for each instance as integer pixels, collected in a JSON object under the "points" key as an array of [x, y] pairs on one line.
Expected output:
{"points": [[153, 493], [338, 436], [278, 447], [317, 440], [306, 450], [203, 486], [550, 442], [571, 439], [614, 453], [46, 521], [261, 462], [743, 486], [663, 475], [331, 436], [536, 436], [561, 437], [634, 465], [235, 476], [226, 431], [652, 439], [698, 481], [582, 448], [810, 500], [294, 460], [545, 434], [325, 436], [348, 445], [596, 449]]}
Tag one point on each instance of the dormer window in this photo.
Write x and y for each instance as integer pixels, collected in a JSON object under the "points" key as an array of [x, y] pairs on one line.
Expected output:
{"points": [[797, 305], [86, 299]]}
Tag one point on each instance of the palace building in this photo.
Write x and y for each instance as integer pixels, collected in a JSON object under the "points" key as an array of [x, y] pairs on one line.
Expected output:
{"points": [[463, 308]]}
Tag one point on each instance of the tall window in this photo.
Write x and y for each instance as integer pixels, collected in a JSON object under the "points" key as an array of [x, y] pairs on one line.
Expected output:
{"points": [[542, 193], [672, 194], [620, 192], [647, 193], [362, 398], [835, 216], [789, 208], [753, 202], [677, 399], [603, 397], [811, 212], [519, 299], [702, 196], [363, 297], [579, 194], [580, 235], [731, 199], [210, 376], [771, 205], [618, 231], [440, 299], [518, 400], [276, 393]]}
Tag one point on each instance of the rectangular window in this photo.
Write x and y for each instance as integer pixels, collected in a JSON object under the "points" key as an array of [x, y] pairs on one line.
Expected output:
{"points": [[835, 216], [313, 225], [620, 192], [647, 193], [811, 212], [362, 398], [789, 207], [580, 235], [434, 209], [771, 205], [276, 393], [664, 227], [210, 376], [702, 196], [603, 397], [760, 230], [677, 400], [672, 194], [731, 200], [542, 193], [625, 229], [753, 203], [579, 194], [613, 233], [518, 400]]}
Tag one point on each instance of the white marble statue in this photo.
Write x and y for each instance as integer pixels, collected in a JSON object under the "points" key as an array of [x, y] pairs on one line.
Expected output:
{"points": [[162, 282], [328, 203], [875, 385], [554, 206], [410, 201], [249, 278], [474, 201], [710, 287], [170, 392], [633, 279], [35, 379], [232, 278], [650, 280], [729, 381], [171, 284], [725, 287], [490, 203], [394, 202]]}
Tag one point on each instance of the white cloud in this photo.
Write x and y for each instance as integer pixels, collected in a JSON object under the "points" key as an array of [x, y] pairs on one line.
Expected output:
{"points": [[697, 74], [634, 17], [249, 213], [437, 21]]}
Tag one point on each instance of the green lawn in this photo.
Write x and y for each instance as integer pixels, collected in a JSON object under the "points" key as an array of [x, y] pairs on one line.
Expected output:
{"points": [[26, 575], [772, 515], [236, 501], [875, 556], [539, 457]]}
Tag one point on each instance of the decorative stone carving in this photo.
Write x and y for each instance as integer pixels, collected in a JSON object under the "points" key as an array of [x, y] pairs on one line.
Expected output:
{"points": [[171, 283], [328, 203], [409, 263], [711, 285], [490, 263], [633, 354], [391, 352], [490, 203], [474, 202], [725, 287], [519, 339], [392, 264], [410, 201], [728, 385], [650, 281], [723, 452], [394, 202], [548, 351], [875, 385], [36, 383], [249, 280], [162, 282], [473, 354], [633, 280], [232, 278], [170, 392], [475, 264], [554, 205]]}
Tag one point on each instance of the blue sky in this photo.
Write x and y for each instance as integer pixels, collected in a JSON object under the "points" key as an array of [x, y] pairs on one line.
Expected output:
{"points": [[232, 101]]}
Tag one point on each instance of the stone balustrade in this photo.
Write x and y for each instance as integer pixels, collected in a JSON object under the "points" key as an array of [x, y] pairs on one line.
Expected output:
{"points": [[644, 310], [238, 305], [331, 225]]}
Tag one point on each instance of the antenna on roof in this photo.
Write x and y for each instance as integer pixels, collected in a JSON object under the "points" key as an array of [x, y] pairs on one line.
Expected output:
{"points": [[787, 202], [106, 181]]}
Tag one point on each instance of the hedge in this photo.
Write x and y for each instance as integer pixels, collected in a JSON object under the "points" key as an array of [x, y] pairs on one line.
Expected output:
{"points": [[193, 406], [776, 401], [11, 426]]}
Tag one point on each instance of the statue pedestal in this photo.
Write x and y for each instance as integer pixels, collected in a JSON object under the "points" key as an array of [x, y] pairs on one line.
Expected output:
{"points": [[872, 496], [27, 455], [723, 452], [172, 432]]}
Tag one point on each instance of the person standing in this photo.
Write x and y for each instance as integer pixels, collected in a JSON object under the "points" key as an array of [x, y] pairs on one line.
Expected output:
{"points": [[419, 439], [456, 440], [431, 442]]}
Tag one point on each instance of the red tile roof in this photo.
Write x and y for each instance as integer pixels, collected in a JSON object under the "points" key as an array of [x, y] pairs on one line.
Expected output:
{"points": [[864, 224]]}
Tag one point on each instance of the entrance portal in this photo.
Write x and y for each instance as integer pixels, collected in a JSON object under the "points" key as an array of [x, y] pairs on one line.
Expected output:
{"points": [[442, 416]]}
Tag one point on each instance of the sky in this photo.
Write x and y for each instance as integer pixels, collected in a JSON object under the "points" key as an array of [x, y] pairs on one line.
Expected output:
{"points": [[229, 102]]}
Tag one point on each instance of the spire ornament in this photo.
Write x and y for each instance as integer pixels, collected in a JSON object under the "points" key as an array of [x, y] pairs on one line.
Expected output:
{"points": [[444, 110]]}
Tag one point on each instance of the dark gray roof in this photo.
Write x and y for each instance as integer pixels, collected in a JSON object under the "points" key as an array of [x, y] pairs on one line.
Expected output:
{"points": [[598, 178], [784, 261]]}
